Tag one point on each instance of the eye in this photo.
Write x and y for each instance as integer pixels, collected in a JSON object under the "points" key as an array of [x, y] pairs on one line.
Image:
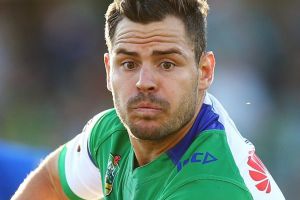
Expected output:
{"points": [[129, 65], [167, 65]]}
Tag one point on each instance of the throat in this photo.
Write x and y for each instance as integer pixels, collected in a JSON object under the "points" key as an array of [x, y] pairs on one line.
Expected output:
{"points": [[144, 154]]}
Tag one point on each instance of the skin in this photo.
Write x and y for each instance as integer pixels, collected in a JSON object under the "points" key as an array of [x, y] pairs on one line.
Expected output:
{"points": [[43, 182], [157, 86]]}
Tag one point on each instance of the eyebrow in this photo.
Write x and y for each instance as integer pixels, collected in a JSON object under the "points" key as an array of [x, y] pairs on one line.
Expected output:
{"points": [[168, 51], [154, 53], [126, 52]]}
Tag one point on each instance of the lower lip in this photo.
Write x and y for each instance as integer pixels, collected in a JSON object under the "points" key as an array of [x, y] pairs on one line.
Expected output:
{"points": [[147, 110]]}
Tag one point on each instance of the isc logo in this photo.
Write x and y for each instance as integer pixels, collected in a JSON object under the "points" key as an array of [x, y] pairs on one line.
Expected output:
{"points": [[198, 157]]}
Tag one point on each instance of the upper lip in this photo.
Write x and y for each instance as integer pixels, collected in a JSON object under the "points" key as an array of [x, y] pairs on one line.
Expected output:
{"points": [[146, 105]]}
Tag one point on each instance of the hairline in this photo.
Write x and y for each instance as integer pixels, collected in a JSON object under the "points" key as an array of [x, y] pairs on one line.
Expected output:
{"points": [[188, 40]]}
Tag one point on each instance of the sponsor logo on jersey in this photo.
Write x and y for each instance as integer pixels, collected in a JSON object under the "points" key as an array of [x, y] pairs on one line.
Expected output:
{"points": [[111, 172], [197, 158], [259, 173]]}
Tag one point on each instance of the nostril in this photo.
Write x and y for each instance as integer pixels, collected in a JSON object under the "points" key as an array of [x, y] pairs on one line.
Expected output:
{"points": [[151, 88]]}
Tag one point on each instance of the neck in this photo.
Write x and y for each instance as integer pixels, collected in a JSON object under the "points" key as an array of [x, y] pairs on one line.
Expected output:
{"points": [[147, 150]]}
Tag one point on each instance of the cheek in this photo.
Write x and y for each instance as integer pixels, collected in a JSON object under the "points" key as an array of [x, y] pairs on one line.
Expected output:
{"points": [[185, 83], [121, 89], [181, 90]]}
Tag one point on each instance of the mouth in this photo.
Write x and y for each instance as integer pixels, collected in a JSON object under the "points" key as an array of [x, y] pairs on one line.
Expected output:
{"points": [[147, 108]]}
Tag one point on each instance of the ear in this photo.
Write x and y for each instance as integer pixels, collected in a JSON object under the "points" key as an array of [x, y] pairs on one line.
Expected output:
{"points": [[206, 70], [107, 68]]}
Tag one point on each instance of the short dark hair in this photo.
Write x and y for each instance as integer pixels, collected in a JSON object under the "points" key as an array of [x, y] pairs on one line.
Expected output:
{"points": [[192, 12]]}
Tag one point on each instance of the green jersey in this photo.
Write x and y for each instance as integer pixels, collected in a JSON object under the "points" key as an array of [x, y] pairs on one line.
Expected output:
{"points": [[212, 162]]}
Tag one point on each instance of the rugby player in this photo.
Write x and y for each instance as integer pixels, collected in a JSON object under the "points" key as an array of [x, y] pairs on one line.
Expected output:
{"points": [[166, 137]]}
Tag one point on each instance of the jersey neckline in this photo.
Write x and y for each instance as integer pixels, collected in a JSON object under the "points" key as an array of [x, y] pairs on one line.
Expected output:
{"points": [[206, 119]]}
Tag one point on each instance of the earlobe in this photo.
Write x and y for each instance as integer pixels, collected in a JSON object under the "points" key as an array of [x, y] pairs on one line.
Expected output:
{"points": [[107, 69], [206, 67]]}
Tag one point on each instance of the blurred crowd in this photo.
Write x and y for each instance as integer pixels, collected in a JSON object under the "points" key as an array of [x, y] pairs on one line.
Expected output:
{"points": [[52, 77]]}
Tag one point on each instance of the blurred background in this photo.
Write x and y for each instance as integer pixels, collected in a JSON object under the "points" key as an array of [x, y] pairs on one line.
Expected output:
{"points": [[52, 79]]}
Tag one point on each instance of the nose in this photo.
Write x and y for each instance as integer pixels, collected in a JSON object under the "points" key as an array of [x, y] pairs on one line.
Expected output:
{"points": [[147, 80]]}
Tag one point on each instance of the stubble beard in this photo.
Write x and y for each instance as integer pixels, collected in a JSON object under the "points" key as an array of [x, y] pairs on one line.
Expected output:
{"points": [[183, 114]]}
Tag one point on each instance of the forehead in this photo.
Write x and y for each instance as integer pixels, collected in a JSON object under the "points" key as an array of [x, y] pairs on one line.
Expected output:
{"points": [[168, 32]]}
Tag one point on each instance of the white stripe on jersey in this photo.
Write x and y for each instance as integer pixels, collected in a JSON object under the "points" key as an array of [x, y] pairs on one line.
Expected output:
{"points": [[82, 175], [241, 149]]}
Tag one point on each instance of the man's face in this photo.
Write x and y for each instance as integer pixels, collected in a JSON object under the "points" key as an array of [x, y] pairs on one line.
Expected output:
{"points": [[153, 77]]}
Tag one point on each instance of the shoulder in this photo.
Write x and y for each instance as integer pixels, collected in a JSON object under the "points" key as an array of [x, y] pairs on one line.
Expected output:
{"points": [[102, 127], [241, 156], [104, 124], [105, 119]]}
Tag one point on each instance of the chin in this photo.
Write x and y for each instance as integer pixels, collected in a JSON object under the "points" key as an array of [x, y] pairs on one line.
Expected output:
{"points": [[149, 132]]}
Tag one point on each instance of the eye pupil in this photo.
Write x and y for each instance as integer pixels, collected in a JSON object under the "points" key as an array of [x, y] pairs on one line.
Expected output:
{"points": [[129, 65], [167, 65]]}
